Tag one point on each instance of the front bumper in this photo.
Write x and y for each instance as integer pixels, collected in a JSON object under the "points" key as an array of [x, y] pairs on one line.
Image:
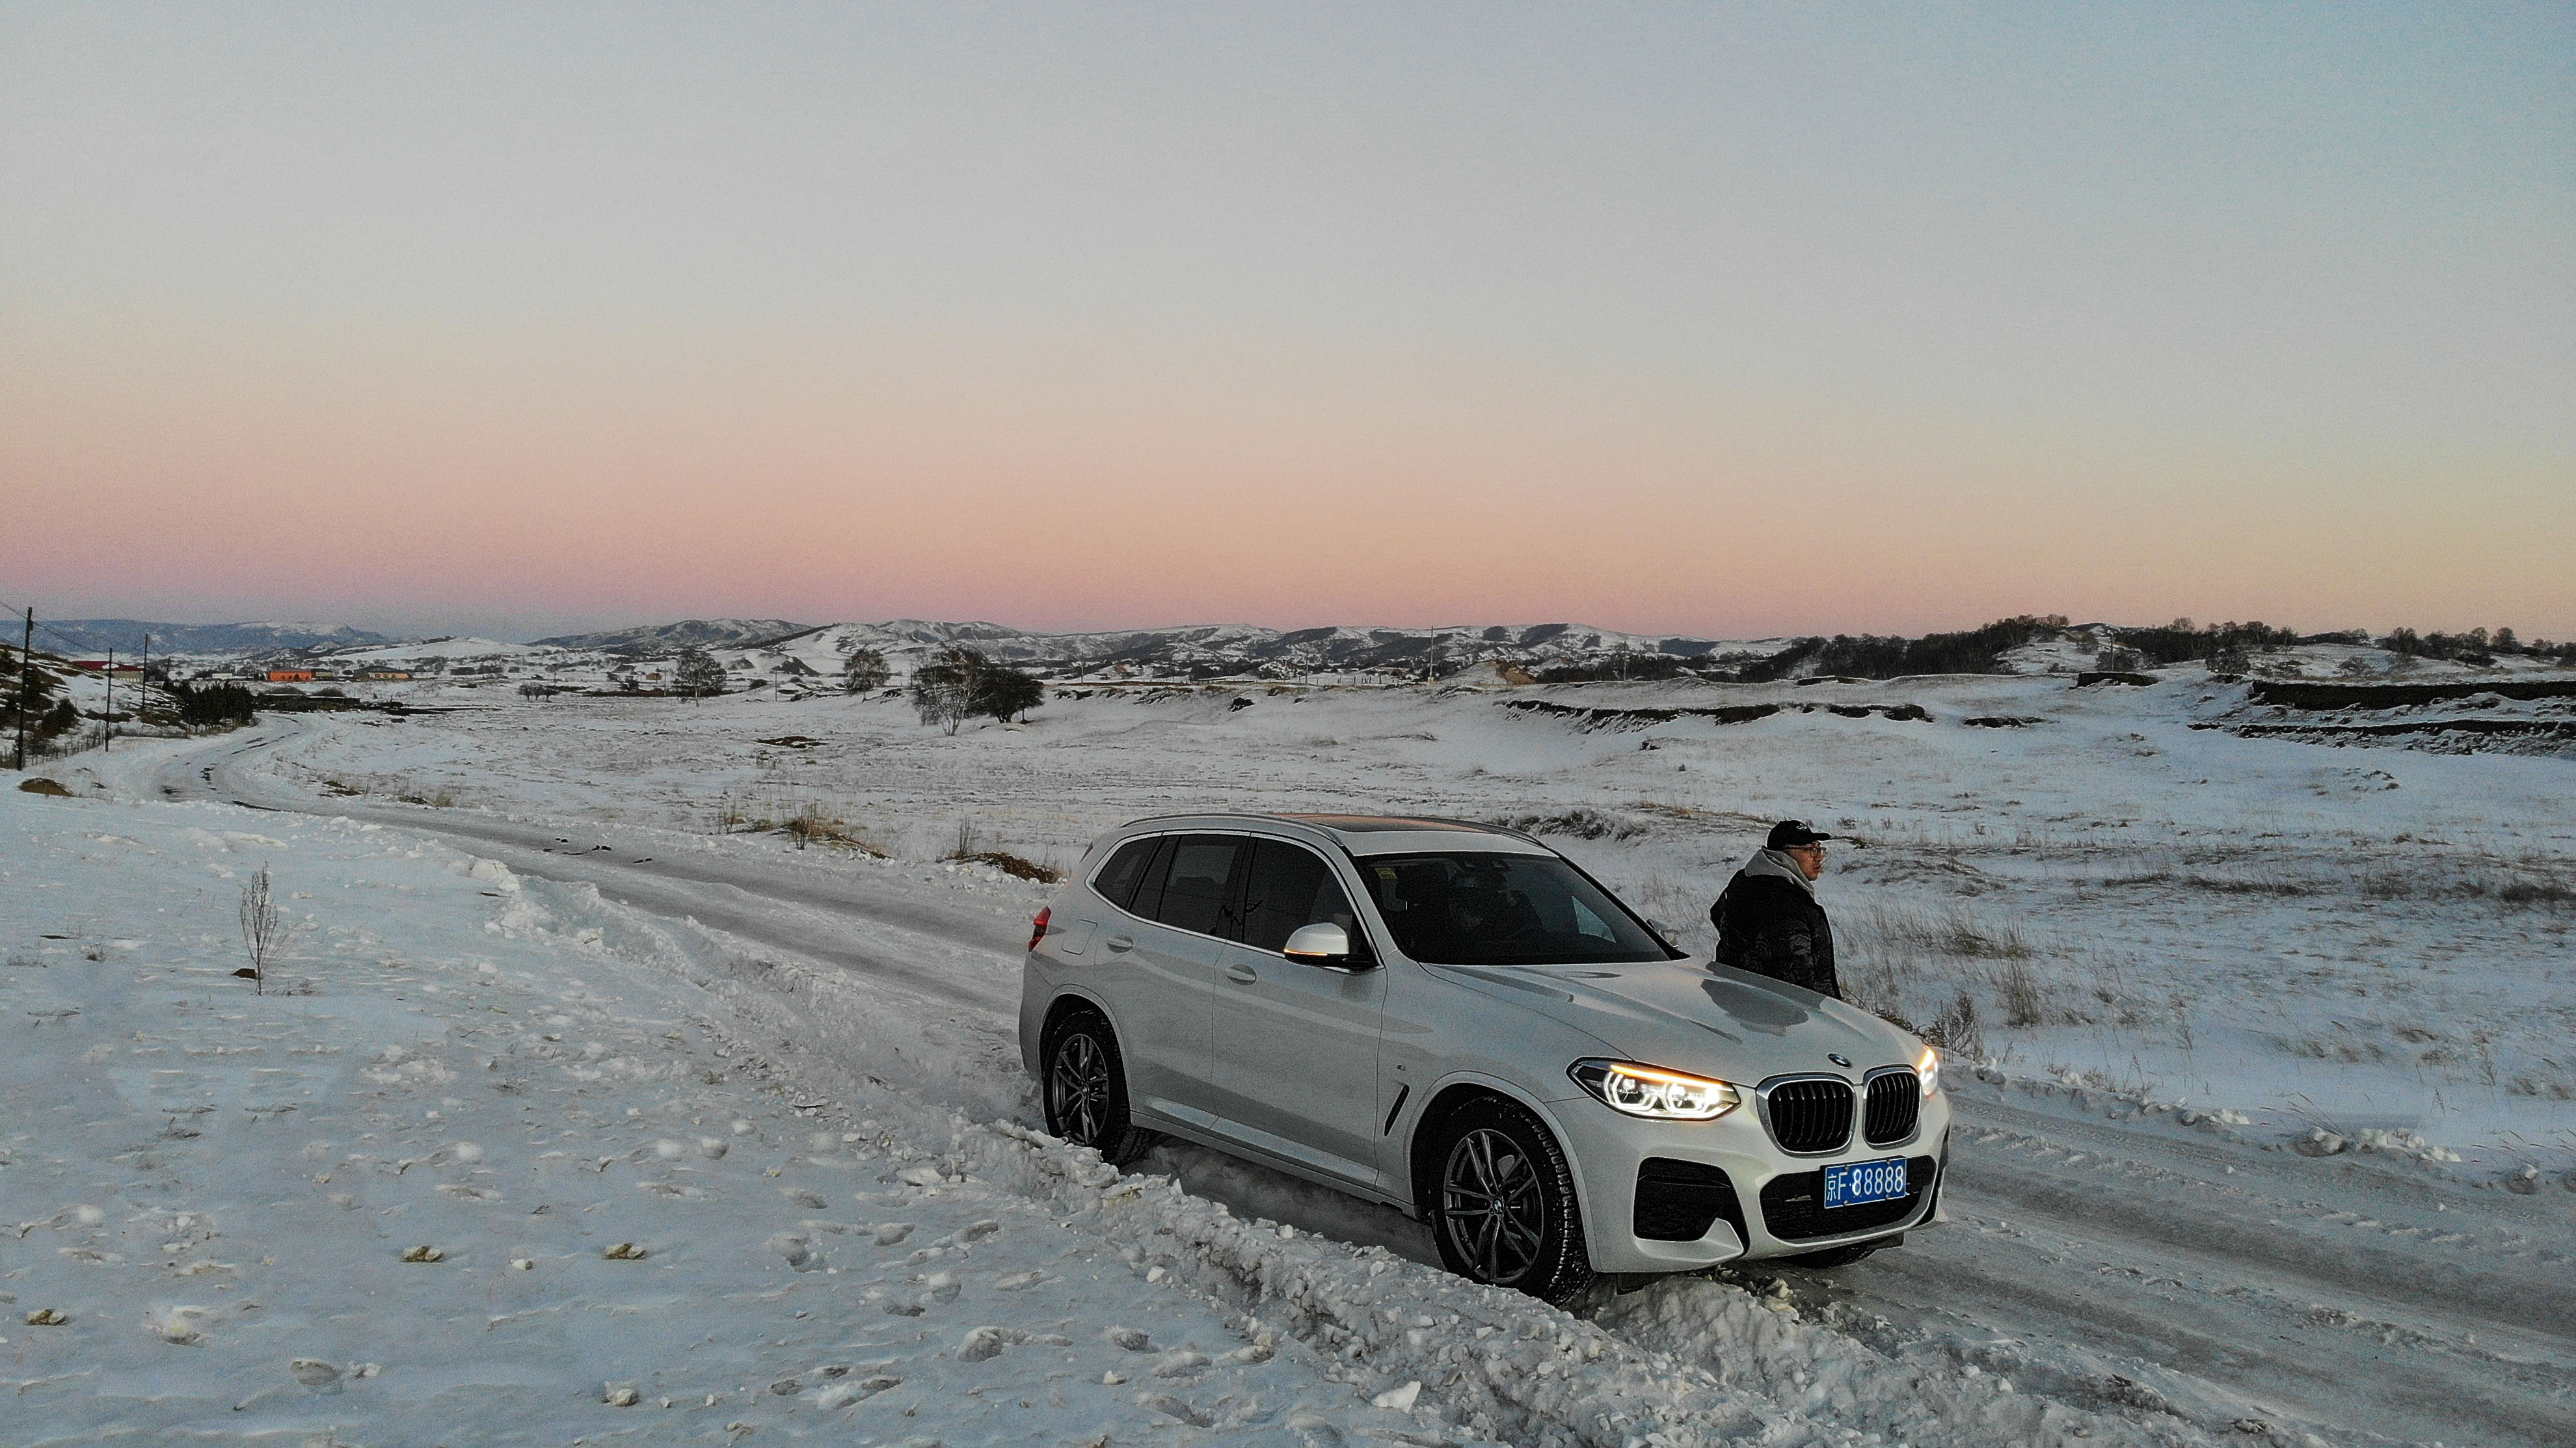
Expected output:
{"points": [[1644, 1181]]}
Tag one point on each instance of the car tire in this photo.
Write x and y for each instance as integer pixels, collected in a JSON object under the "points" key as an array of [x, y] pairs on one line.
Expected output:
{"points": [[1083, 1082], [1502, 1202]]}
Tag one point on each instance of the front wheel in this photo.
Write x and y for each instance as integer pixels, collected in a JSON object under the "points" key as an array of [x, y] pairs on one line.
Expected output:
{"points": [[1503, 1204], [1086, 1091]]}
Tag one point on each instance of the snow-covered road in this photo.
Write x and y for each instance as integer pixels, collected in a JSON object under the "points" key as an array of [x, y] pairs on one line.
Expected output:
{"points": [[2113, 1260]]}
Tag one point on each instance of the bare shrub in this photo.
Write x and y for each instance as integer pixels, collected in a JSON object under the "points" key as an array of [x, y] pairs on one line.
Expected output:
{"points": [[1956, 1029], [1579, 822], [2536, 892]]}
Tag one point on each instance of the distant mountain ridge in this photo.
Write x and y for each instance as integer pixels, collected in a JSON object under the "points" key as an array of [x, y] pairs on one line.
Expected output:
{"points": [[126, 636], [1182, 645], [688, 633], [1233, 648]]}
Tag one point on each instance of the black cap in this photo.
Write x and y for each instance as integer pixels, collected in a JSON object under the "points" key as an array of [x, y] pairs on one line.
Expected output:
{"points": [[1794, 832]]}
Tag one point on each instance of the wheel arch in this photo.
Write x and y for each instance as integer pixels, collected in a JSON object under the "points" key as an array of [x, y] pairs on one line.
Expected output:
{"points": [[1419, 1166], [1068, 1004]]}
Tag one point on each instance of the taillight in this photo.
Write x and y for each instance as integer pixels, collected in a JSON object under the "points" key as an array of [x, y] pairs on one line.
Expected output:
{"points": [[1037, 927]]}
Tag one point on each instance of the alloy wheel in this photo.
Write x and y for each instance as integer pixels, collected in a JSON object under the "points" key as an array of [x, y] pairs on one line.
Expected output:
{"points": [[1491, 1205], [1078, 1088]]}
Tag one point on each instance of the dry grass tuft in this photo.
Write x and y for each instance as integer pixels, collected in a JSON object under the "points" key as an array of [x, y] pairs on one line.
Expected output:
{"points": [[1012, 865], [2025, 1003]]}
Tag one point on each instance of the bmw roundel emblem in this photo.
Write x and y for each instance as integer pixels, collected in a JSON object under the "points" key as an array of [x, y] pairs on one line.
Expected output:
{"points": [[1838, 1058]]}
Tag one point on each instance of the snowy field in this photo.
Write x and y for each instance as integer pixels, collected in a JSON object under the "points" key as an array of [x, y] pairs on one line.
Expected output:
{"points": [[2361, 941], [587, 994]]}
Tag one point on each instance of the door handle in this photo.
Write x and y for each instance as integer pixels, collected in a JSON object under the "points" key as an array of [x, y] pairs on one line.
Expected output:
{"points": [[1119, 944], [1242, 973]]}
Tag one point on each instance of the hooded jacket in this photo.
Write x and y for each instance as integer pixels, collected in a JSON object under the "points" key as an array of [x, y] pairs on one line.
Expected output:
{"points": [[1768, 922]]}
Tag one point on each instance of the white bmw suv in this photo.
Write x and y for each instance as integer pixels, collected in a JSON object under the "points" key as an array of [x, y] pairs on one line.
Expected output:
{"points": [[1457, 1021]]}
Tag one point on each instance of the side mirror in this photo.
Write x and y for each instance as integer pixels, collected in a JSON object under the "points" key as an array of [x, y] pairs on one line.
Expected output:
{"points": [[1326, 944]]}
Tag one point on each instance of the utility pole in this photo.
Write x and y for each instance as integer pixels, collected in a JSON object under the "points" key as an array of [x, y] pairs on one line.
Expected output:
{"points": [[26, 680], [107, 726], [143, 681]]}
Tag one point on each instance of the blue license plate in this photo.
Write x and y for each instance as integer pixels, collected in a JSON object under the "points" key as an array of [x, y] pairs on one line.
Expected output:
{"points": [[1856, 1182]]}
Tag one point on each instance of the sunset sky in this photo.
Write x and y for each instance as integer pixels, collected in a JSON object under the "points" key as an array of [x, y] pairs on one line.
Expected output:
{"points": [[1679, 318]]}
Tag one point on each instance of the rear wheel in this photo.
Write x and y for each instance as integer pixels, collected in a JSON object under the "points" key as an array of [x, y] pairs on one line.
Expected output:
{"points": [[1503, 1203], [1085, 1083]]}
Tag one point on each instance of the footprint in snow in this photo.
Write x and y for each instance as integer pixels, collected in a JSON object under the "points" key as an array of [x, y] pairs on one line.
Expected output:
{"points": [[1318, 1428], [891, 1233], [1018, 1280], [314, 1373], [843, 1394], [810, 1200], [983, 1343], [1171, 1407], [798, 1251], [1180, 1364], [1130, 1339]]}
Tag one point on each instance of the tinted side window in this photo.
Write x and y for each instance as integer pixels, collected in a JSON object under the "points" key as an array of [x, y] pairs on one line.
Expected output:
{"points": [[1116, 881], [1149, 885], [1289, 886], [1194, 883]]}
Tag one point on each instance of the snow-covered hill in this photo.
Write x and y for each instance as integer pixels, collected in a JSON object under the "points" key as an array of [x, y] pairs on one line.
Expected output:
{"points": [[659, 639], [126, 636], [1231, 649]]}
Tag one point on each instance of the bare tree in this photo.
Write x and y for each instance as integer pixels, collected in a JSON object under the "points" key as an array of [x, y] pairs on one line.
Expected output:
{"points": [[262, 929], [943, 691], [697, 674], [864, 671], [962, 684], [1004, 692]]}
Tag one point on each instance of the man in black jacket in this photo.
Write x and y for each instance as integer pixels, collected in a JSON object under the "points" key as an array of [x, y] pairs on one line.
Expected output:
{"points": [[1767, 919]]}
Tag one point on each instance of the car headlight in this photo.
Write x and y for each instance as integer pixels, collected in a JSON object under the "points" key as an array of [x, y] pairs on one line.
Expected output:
{"points": [[1653, 1092], [1929, 1068]]}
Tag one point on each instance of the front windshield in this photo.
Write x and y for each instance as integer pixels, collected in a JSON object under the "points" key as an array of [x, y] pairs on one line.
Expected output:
{"points": [[1487, 909]]}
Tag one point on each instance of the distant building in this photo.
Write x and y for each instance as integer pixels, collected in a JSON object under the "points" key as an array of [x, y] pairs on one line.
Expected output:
{"points": [[290, 676], [383, 674]]}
